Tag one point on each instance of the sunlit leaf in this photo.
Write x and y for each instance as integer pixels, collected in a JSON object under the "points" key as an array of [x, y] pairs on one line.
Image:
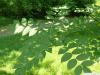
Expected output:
{"points": [[19, 28], [26, 30], [33, 31], [30, 22], [66, 57], [24, 21], [71, 63]]}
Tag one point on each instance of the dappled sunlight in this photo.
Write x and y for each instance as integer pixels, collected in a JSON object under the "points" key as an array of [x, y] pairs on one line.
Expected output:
{"points": [[49, 37], [51, 64], [9, 61], [95, 67], [54, 44], [63, 46]]}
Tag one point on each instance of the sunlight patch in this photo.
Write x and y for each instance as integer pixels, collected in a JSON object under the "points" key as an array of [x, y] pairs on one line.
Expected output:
{"points": [[33, 31], [26, 30], [18, 29]]}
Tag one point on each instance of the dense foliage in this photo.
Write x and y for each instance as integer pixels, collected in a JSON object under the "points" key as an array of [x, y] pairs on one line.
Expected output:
{"points": [[39, 8], [46, 36]]}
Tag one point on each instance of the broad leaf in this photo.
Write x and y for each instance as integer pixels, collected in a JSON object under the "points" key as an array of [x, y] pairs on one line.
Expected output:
{"points": [[88, 63], [81, 57], [72, 63], [62, 50], [78, 70], [86, 69], [66, 57]]}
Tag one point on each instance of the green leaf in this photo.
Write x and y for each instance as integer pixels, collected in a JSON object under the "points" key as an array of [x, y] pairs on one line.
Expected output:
{"points": [[66, 57], [49, 50], [20, 71], [72, 63], [93, 41], [62, 50], [86, 69], [78, 70], [71, 45], [97, 53], [77, 51], [87, 63], [82, 57]]}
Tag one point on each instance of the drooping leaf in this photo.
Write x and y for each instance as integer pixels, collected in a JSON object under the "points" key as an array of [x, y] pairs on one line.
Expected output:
{"points": [[71, 63], [66, 57]]}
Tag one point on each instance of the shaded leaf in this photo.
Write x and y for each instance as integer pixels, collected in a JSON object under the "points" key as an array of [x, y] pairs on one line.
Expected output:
{"points": [[88, 63], [97, 53], [71, 45], [42, 55], [62, 50], [20, 71], [66, 57], [72, 63], [78, 70], [93, 41], [49, 50], [86, 69], [77, 51], [82, 57]]}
